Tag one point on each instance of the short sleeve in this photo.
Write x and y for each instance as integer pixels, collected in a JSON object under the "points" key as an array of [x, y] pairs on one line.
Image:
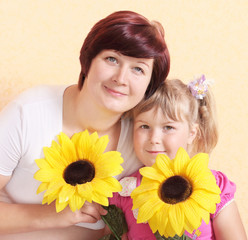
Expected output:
{"points": [[228, 189], [10, 138]]}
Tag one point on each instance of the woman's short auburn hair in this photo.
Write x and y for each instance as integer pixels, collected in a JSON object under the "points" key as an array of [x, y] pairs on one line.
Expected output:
{"points": [[132, 35]]}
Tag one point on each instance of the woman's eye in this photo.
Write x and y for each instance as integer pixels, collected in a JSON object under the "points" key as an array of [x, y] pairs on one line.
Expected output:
{"points": [[111, 59], [139, 70], [144, 126]]}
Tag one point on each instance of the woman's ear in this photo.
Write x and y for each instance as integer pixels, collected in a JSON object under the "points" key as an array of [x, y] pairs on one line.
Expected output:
{"points": [[193, 133]]}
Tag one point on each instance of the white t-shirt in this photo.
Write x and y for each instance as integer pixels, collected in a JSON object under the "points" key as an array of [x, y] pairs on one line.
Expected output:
{"points": [[28, 124]]}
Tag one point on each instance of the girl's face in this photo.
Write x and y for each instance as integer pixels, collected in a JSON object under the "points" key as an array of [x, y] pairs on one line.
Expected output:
{"points": [[117, 82], [154, 134]]}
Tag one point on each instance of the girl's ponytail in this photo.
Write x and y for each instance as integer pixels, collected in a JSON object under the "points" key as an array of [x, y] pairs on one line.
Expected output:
{"points": [[207, 136]]}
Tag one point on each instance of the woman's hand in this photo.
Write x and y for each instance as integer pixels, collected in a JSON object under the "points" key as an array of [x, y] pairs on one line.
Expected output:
{"points": [[89, 213]]}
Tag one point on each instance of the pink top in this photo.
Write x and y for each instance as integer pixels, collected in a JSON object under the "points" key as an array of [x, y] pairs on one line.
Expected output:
{"points": [[142, 231]]}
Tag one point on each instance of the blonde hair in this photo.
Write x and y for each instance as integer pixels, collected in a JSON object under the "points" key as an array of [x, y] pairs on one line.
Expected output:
{"points": [[177, 103]]}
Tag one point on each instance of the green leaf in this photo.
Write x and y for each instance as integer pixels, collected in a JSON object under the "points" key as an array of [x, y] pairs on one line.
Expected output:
{"points": [[116, 221]]}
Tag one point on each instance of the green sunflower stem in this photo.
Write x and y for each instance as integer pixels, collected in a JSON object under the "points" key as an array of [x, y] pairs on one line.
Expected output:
{"points": [[111, 228], [115, 219]]}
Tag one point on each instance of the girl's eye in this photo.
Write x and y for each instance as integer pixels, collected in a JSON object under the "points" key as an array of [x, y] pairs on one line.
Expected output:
{"points": [[167, 128], [139, 70], [112, 59]]}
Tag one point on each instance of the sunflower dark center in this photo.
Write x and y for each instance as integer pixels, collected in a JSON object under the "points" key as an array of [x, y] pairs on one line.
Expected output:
{"points": [[175, 189], [79, 172]]}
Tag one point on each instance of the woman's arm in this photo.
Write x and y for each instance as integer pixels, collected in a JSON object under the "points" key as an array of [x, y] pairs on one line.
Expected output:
{"points": [[228, 225], [16, 218]]}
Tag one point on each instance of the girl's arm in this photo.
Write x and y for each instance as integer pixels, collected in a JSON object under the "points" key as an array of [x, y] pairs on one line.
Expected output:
{"points": [[16, 218], [228, 225]]}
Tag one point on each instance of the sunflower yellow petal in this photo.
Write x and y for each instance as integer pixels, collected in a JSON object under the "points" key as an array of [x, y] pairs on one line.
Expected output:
{"points": [[180, 161], [85, 143], [60, 205], [169, 230], [46, 175], [42, 163], [100, 145], [44, 200], [153, 224], [146, 212], [197, 164], [206, 200], [67, 147], [109, 164], [66, 192], [204, 214], [103, 171], [162, 218], [43, 186], [106, 187], [151, 173], [164, 164], [53, 158], [98, 198], [56, 146], [82, 144], [54, 186], [194, 220], [113, 183], [111, 157], [141, 199], [176, 218], [85, 191], [51, 197], [76, 139], [76, 202], [207, 183], [144, 188], [93, 137]]}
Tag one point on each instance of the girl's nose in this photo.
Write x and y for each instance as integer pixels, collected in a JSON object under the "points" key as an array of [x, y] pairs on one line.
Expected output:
{"points": [[155, 137]]}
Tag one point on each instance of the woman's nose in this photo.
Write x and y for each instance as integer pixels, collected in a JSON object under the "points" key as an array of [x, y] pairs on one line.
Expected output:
{"points": [[121, 76]]}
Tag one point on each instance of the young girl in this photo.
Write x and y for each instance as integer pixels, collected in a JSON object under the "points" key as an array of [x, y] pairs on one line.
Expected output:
{"points": [[176, 116]]}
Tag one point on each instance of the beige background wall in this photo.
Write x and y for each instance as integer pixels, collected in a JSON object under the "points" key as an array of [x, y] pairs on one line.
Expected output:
{"points": [[40, 42]]}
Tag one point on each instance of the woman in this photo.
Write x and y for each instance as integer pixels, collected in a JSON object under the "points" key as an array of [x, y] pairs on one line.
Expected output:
{"points": [[123, 59]]}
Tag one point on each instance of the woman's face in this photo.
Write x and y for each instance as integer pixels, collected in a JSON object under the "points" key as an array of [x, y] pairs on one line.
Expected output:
{"points": [[118, 82]]}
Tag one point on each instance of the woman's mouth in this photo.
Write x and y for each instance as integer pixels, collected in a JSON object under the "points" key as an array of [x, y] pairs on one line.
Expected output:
{"points": [[114, 92]]}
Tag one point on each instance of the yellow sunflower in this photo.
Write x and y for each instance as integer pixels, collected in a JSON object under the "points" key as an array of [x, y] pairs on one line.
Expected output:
{"points": [[77, 170], [175, 195]]}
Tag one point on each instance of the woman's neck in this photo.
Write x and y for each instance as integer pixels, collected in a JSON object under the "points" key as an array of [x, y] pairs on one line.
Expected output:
{"points": [[80, 113]]}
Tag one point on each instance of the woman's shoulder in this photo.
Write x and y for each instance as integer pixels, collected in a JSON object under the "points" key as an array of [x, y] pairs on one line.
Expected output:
{"points": [[39, 93]]}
